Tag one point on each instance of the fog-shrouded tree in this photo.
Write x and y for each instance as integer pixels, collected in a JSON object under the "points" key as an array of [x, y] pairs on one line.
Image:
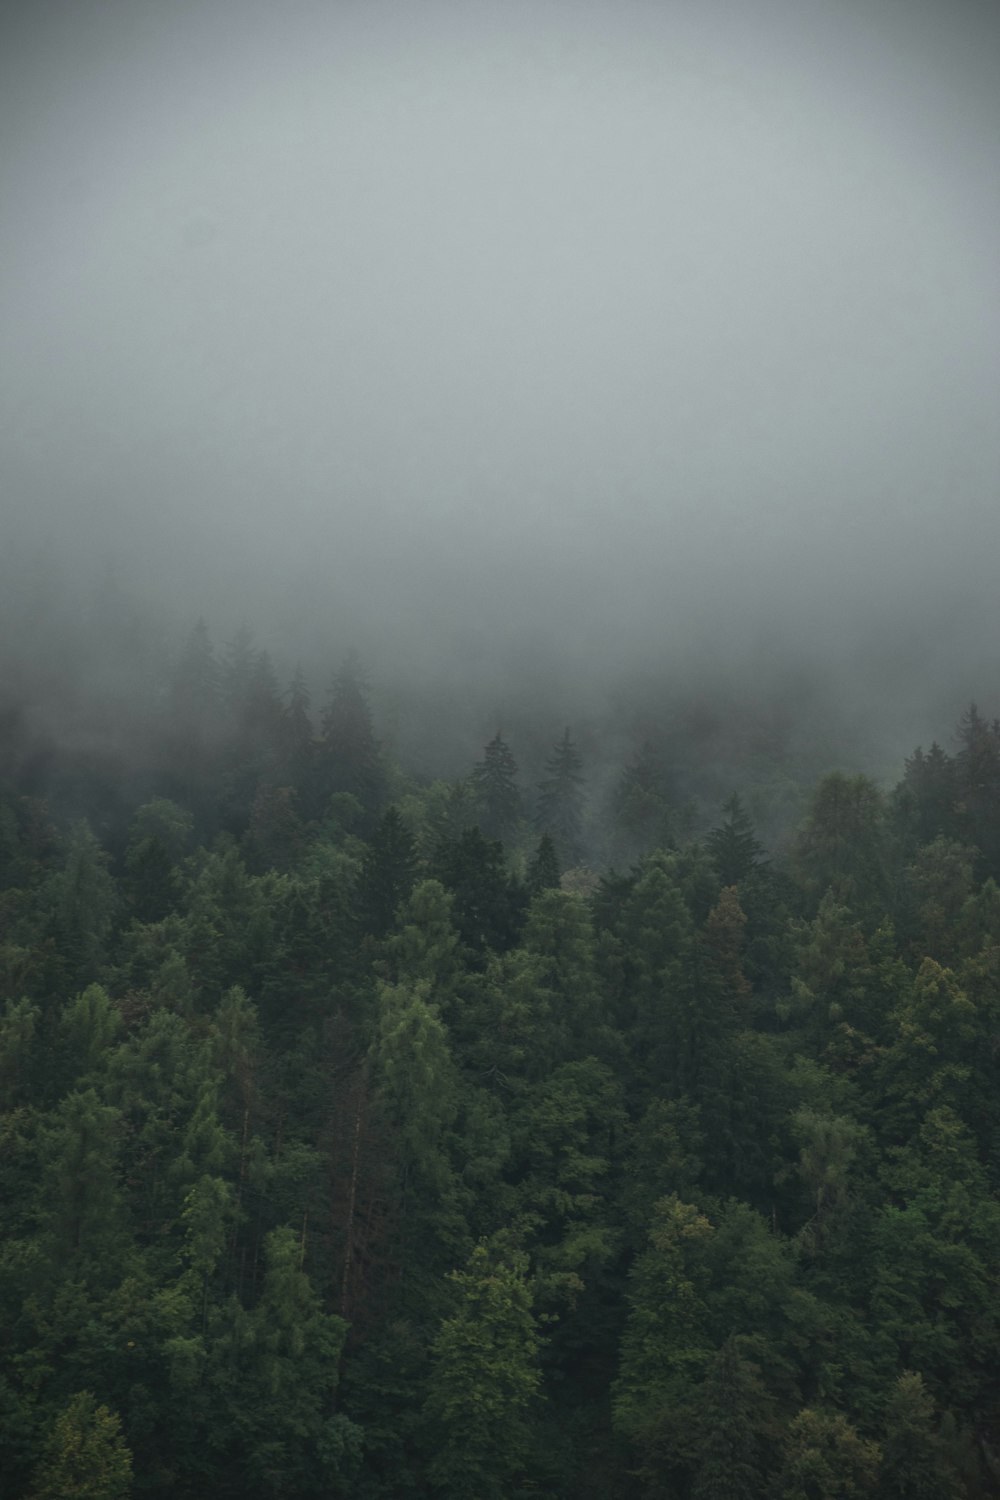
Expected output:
{"points": [[348, 756], [733, 845], [560, 801], [543, 871], [496, 792]]}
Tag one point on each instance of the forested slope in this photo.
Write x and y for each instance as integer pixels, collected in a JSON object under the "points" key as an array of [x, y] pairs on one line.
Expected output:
{"points": [[472, 1139]]}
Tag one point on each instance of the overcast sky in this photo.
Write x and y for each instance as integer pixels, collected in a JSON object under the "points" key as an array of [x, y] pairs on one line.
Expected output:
{"points": [[592, 330]]}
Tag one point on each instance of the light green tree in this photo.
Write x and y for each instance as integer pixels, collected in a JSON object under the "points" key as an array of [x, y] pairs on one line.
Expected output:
{"points": [[86, 1456]]}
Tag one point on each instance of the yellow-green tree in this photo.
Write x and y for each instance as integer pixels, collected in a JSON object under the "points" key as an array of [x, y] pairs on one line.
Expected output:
{"points": [[86, 1456]]}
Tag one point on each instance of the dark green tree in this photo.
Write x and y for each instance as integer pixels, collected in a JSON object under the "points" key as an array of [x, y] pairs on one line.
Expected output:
{"points": [[735, 1408], [916, 1462], [733, 846], [977, 785], [488, 903], [484, 1379], [387, 873], [543, 871], [843, 844]]}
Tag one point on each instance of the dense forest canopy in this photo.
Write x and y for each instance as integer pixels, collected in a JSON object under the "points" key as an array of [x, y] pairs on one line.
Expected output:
{"points": [[526, 1132], [519, 1016]]}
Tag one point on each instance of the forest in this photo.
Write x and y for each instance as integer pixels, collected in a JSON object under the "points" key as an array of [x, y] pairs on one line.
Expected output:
{"points": [[528, 1132]]}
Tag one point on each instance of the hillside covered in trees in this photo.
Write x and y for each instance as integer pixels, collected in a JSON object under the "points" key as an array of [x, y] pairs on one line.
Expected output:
{"points": [[510, 1134]]}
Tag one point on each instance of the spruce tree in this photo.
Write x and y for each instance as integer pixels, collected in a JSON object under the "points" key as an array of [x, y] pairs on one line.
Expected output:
{"points": [[560, 801], [494, 785], [543, 872], [734, 848], [349, 758], [387, 873]]}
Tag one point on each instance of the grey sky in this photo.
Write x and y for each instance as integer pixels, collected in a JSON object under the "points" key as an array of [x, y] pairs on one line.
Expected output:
{"points": [[581, 328]]}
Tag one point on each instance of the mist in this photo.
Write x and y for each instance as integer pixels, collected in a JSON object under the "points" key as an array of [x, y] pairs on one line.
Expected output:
{"points": [[541, 352]]}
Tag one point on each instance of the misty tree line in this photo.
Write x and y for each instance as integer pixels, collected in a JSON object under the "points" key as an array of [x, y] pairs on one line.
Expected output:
{"points": [[369, 1136]]}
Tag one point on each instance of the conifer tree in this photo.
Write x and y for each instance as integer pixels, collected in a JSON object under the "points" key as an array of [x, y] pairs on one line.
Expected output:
{"points": [[494, 785], [387, 873], [543, 872], [734, 1406], [733, 846], [484, 1379], [642, 808], [194, 693], [977, 785], [560, 801], [348, 755]]}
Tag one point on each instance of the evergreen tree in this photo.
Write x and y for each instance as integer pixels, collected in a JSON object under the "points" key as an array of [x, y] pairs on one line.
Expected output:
{"points": [[843, 844], [494, 786], [387, 873], [543, 872], [234, 675], [483, 1380], [560, 801], [734, 1409], [642, 808], [927, 796], [297, 759], [733, 847], [488, 904], [977, 785], [348, 755], [195, 690]]}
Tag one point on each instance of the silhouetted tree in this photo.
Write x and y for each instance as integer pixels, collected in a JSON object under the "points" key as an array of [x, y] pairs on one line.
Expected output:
{"points": [[494, 784], [560, 801]]}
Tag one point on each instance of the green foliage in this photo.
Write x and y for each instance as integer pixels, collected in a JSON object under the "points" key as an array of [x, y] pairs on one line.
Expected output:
{"points": [[560, 801], [733, 846], [86, 1456], [484, 1377], [842, 844], [293, 1040], [495, 789], [824, 1456], [734, 1413]]}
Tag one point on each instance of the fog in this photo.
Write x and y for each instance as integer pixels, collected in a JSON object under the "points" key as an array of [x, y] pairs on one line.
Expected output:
{"points": [[546, 347]]}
